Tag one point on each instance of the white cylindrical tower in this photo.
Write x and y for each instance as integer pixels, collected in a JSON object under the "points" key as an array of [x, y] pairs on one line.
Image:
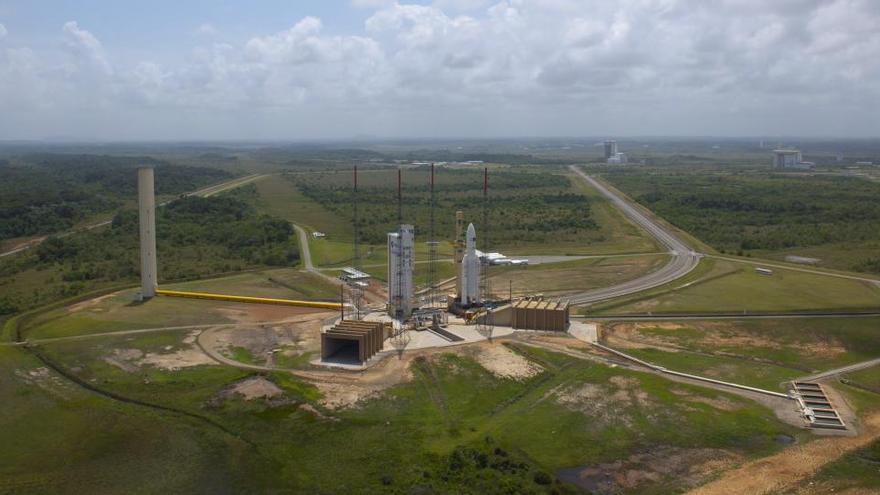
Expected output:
{"points": [[147, 217]]}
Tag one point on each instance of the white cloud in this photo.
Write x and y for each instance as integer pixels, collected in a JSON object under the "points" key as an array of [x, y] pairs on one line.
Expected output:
{"points": [[516, 66], [3, 31], [206, 29], [85, 47]]}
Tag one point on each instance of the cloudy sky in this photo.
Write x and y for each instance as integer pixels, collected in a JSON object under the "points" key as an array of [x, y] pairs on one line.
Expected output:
{"points": [[291, 70]]}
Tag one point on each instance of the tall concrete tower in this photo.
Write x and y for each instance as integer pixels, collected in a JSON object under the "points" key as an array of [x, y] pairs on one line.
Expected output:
{"points": [[470, 270], [459, 249], [400, 272], [147, 210]]}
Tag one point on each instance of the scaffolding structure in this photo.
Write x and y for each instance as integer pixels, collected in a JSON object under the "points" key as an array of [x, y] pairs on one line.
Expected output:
{"points": [[355, 291]]}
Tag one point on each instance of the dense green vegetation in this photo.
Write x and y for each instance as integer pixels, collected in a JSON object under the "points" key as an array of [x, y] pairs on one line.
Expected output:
{"points": [[524, 205], [49, 193], [748, 211], [196, 237]]}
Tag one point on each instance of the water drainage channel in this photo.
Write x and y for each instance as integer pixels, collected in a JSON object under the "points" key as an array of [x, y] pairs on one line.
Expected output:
{"points": [[815, 406]]}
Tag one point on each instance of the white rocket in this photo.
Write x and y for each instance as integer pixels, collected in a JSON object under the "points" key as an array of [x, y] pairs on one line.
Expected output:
{"points": [[470, 270]]}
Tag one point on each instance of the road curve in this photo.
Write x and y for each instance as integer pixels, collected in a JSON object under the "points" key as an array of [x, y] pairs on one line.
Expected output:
{"points": [[683, 258], [840, 371]]}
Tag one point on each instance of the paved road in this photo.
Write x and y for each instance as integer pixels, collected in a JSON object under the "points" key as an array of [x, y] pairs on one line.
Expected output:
{"points": [[840, 371], [309, 266], [683, 258], [204, 192], [731, 316], [306, 252]]}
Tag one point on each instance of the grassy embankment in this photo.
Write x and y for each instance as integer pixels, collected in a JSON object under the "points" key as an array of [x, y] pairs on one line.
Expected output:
{"points": [[762, 353]]}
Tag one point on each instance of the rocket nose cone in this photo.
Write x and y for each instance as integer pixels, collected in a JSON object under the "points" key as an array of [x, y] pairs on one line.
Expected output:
{"points": [[471, 231]]}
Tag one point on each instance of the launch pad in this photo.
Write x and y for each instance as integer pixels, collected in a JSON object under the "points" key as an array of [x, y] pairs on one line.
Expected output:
{"points": [[470, 313]]}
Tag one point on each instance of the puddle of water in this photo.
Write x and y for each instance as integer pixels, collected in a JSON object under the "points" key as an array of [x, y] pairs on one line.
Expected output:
{"points": [[587, 479], [785, 439]]}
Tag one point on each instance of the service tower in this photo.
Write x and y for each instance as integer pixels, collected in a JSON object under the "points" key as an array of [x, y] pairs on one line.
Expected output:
{"points": [[147, 217]]}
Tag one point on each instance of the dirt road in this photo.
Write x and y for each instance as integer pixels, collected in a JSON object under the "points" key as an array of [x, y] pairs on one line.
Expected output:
{"points": [[782, 471], [204, 192]]}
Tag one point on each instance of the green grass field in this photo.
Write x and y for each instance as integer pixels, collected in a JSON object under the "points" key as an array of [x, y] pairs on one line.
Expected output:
{"points": [[119, 311], [60, 438], [744, 372], [554, 279], [868, 379], [807, 344], [417, 434], [724, 286], [761, 353], [281, 197]]}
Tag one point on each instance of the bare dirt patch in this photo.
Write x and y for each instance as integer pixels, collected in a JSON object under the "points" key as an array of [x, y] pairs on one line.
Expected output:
{"points": [[132, 360], [256, 313], [44, 379], [182, 358], [256, 387], [504, 363], [90, 303], [779, 472], [296, 336], [340, 389], [310, 409], [683, 467], [606, 403], [125, 359]]}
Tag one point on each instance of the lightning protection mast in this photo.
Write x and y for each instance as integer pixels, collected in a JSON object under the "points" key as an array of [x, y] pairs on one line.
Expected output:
{"points": [[432, 250], [485, 325]]}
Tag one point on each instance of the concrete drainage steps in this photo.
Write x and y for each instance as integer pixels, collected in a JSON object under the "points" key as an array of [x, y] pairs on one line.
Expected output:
{"points": [[816, 407], [445, 334]]}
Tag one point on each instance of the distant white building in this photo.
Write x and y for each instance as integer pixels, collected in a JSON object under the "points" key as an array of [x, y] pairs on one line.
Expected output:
{"points": [[400, 272], [318, 235], [618, 158], [791, 159]]}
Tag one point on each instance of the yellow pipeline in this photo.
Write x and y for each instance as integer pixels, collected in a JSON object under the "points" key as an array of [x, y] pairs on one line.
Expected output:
{"points": [[248, 299]]}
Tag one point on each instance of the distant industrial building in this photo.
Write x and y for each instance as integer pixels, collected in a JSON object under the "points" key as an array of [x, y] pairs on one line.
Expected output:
{"points": [[400, 272], [610, 149], [790, 159]]}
